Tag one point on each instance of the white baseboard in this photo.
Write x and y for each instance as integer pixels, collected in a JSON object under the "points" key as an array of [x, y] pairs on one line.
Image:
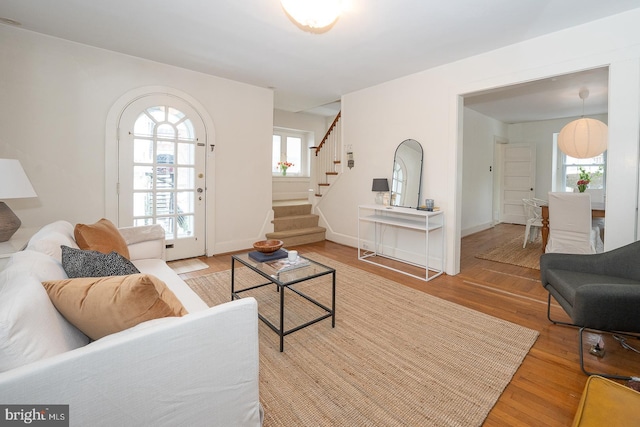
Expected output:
{"points": [[476, 229]]}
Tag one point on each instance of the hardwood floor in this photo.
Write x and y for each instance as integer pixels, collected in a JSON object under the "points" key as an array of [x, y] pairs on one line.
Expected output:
{"points": [[545, 391]]}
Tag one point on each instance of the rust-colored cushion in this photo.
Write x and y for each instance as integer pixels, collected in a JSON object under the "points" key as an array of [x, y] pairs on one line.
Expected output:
{"points": [[100, 306], [103, 236]]}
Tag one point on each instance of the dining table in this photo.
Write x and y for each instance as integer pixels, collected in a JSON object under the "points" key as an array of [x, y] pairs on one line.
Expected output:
{"points": [[597, 211]]}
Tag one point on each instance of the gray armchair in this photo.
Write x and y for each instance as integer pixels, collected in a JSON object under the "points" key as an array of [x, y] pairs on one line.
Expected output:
{"points": [[597, 291]]}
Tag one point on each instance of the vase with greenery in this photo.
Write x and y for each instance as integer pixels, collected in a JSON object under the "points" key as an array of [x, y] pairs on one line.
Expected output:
{"points": [[582, 185], [585, 178], [284, 166]]}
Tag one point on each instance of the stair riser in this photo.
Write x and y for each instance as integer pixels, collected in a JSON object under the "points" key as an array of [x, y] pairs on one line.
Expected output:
{"points": [[283, 211], [293, 223], [303, 240]]}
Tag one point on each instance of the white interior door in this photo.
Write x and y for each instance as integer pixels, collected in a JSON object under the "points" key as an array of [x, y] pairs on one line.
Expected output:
{"points": [[518, 178], [161, 171]]}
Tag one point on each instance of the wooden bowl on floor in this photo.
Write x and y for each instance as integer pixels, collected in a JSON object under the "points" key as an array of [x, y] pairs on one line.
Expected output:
{"points": [[268, 246]]}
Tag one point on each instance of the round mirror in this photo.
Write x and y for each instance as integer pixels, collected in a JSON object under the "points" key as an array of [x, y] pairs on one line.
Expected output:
{"points": [[407, 174]]}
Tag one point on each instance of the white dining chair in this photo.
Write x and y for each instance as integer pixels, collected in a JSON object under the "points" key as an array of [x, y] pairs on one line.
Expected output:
{"points": [[533, 214], [570, 227]]}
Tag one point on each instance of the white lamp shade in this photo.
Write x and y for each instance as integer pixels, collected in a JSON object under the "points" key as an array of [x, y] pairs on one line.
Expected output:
{"points": [[313, 14], [583, 138], [14, 183]]}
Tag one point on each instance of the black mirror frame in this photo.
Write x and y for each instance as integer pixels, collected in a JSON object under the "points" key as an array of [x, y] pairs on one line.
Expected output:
{"points": [[402, 203]]}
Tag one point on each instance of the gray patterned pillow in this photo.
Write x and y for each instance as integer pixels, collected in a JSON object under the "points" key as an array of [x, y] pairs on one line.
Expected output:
{"points": [[80, 263]]}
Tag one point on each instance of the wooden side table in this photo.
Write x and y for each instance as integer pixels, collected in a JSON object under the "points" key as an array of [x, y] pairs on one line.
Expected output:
{"points": [[17, 243]]}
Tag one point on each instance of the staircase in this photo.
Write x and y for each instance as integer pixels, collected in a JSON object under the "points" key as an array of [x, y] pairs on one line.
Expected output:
{"points": [[294, 224], [328, 156]]}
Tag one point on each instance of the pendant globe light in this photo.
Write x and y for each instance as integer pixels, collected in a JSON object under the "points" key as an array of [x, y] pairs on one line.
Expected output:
{"points": [[315, 16], [583, 138]]}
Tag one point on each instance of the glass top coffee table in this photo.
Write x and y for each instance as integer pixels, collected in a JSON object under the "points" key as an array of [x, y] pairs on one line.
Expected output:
{"points": [[284, 280]]}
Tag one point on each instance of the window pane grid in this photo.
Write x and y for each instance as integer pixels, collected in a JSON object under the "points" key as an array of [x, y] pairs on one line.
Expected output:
{"points": [[291, 147], [164, 171], [294, 153], [594, 166]]}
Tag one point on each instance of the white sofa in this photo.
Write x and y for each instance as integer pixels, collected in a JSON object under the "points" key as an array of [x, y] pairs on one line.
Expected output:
{"points": [[197, 370]]}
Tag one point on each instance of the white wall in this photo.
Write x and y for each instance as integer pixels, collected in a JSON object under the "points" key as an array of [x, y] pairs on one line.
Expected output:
{"points": [[427, 107], [478, 170], [55, 99], [374, 122], [315, 124]]}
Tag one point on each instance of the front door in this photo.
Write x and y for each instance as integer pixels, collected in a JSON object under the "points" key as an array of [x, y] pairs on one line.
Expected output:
{"points": [[161, 172]]}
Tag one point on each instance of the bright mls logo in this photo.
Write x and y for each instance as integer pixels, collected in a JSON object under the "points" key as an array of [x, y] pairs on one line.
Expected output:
{"points": [[36, 415]]}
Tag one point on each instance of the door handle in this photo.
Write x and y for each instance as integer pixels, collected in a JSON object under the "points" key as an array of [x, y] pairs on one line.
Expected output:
{"points": [[200, 190]]}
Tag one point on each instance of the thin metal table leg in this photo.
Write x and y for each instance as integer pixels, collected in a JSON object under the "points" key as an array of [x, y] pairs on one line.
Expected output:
{"points": [[281, 319], [233, 271], [333, 300]]}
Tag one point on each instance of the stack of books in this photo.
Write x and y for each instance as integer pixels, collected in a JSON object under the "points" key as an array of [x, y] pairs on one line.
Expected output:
{"points": [[262, 257]]}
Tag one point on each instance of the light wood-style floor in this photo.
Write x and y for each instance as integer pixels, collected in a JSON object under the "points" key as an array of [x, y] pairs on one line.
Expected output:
{"points": [[545, 391]]}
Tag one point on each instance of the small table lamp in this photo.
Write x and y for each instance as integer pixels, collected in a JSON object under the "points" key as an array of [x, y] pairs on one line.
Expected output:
{"points": [[14, 184], [381, 185]]}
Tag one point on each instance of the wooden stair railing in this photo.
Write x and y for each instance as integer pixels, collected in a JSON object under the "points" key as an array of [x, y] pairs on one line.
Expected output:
{"points": [[328, 155], [326, 135]]}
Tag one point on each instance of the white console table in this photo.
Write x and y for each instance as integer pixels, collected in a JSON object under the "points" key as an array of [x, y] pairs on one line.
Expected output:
{"points": [[407, 235]]}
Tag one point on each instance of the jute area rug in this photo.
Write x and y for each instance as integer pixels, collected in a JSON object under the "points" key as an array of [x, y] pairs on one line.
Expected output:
{"points": [[512, 252], [187, 265], [397, 356]]}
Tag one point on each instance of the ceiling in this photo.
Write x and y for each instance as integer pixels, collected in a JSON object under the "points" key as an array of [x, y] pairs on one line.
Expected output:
{"points": [[253, 41], [552, 98]]}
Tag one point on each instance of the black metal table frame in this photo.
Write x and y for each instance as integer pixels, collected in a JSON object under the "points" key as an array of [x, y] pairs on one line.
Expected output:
{"points": [[330, 312]]}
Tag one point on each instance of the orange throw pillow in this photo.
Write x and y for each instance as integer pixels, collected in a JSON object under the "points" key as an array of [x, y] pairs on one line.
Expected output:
{"points": [[103, 236], [101, 306]]}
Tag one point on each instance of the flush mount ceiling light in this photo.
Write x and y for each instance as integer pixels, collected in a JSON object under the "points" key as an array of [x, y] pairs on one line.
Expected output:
{"points": [[583, 138], [316, 16]]}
